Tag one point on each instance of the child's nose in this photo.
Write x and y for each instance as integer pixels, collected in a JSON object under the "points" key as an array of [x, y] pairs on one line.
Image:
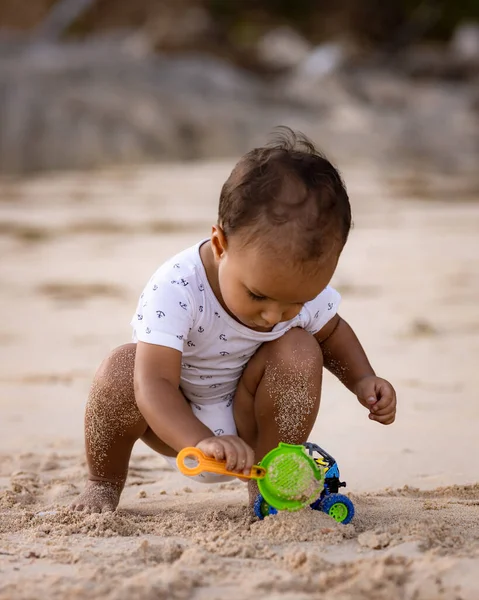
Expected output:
{"points": [[271, 316]]}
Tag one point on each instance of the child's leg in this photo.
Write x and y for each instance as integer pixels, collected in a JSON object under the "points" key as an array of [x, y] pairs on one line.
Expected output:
{"points": [[113, 424], [278, 396]]}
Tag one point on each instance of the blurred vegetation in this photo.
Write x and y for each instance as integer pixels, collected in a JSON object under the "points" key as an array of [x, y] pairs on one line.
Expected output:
{"points": [[237, 24]]}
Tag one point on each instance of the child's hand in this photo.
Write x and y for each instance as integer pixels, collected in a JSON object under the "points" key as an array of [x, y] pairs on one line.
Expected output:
{"points": [[379, 397], [238, 455]]}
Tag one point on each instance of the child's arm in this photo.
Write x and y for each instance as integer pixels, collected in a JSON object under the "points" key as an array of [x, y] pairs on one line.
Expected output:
{"points": [[157, 377], [165, 409], [344, 357]]}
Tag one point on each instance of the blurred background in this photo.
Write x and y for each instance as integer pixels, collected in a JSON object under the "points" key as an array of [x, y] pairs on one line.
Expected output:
{"points": [[120, 121], [88, 83]]}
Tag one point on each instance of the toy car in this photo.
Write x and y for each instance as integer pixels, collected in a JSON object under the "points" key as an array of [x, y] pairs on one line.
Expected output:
{"points": [[336, 505]]}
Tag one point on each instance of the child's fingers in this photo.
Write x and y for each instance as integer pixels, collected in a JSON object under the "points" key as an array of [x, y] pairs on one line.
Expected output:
{"points": [[385, 402], [234, 456], [245, 458], [233, 450], [212, 449], [241, 456], [385, 412], [383, 419], [388, 419], [218, 451], [249, 459], [380, 405], [380, 411]]}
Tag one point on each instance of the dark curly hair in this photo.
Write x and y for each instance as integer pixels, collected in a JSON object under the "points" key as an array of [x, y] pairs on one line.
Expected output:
{"points": [[286, 191]]}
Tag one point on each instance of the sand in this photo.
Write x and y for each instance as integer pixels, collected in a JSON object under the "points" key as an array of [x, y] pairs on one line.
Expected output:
{"points": [[76, 251]]}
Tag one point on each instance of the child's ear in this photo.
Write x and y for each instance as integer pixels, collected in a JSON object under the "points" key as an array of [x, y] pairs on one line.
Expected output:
{"points": [[219, 244]]}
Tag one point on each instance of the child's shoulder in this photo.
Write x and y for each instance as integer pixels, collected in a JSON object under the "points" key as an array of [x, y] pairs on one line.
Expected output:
{"points": [[325, 300], [182, 268], [175, 290], [317, 312]]}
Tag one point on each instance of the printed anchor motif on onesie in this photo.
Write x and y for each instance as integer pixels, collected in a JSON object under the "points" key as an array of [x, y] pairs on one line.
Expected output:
{"points": [[181, 281], [229, 399], [178, 309]]}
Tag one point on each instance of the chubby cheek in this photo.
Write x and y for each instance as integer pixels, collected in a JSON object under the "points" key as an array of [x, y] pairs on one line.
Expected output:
{"points": [[235, 297], [239, 305]]}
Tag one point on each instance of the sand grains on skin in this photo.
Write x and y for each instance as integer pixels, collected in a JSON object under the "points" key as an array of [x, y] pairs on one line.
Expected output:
{"points": [[294, 399], [98, 497]]}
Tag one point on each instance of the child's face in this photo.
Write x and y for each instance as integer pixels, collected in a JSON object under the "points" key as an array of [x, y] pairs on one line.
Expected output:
{"points": [[260, 289]]}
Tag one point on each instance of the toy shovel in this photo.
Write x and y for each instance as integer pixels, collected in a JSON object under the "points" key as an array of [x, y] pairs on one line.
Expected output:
{"points": [[288, 478]]}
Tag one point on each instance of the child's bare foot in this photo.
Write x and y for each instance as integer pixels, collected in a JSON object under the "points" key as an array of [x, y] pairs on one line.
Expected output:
{"points": [[97, 497]]}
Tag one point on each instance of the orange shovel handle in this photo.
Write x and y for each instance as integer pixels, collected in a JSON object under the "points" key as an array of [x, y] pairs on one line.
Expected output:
{"points": [[211, 465]]}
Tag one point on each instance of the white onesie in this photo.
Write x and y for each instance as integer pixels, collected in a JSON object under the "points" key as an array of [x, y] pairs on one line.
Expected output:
{"points": [[178, 309]]}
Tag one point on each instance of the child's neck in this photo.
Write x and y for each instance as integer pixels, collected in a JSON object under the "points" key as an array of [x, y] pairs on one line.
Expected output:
{"points": [[211, 268]]}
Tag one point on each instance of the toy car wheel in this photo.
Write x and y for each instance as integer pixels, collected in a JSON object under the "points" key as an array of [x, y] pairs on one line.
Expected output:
{"points": [[339, 507], [262, 509]]}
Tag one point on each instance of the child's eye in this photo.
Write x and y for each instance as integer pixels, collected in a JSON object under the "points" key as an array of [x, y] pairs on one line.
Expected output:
{"points": [[255, 296]]}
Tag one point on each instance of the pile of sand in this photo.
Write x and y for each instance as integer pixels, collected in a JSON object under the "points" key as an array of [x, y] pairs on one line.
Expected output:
{"points": [[185, 543]]}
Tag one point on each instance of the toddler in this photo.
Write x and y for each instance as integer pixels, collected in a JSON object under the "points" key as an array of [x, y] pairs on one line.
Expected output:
{"points": [[230, 336]]}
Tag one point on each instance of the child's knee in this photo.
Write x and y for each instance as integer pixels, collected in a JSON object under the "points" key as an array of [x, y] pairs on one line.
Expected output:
{"points": [[112, 395], [118, 367], [114, 377], [298, 350]]}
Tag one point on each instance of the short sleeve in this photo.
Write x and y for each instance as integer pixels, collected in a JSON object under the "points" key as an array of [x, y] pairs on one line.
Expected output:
{"points": [[164, 314], [321, 310]]}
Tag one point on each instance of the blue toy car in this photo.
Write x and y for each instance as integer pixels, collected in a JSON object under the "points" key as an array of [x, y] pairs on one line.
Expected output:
{"points": [[336, 505]]}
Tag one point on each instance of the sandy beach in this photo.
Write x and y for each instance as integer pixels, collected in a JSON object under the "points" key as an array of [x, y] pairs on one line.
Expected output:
{"points": [[76, 250]]}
